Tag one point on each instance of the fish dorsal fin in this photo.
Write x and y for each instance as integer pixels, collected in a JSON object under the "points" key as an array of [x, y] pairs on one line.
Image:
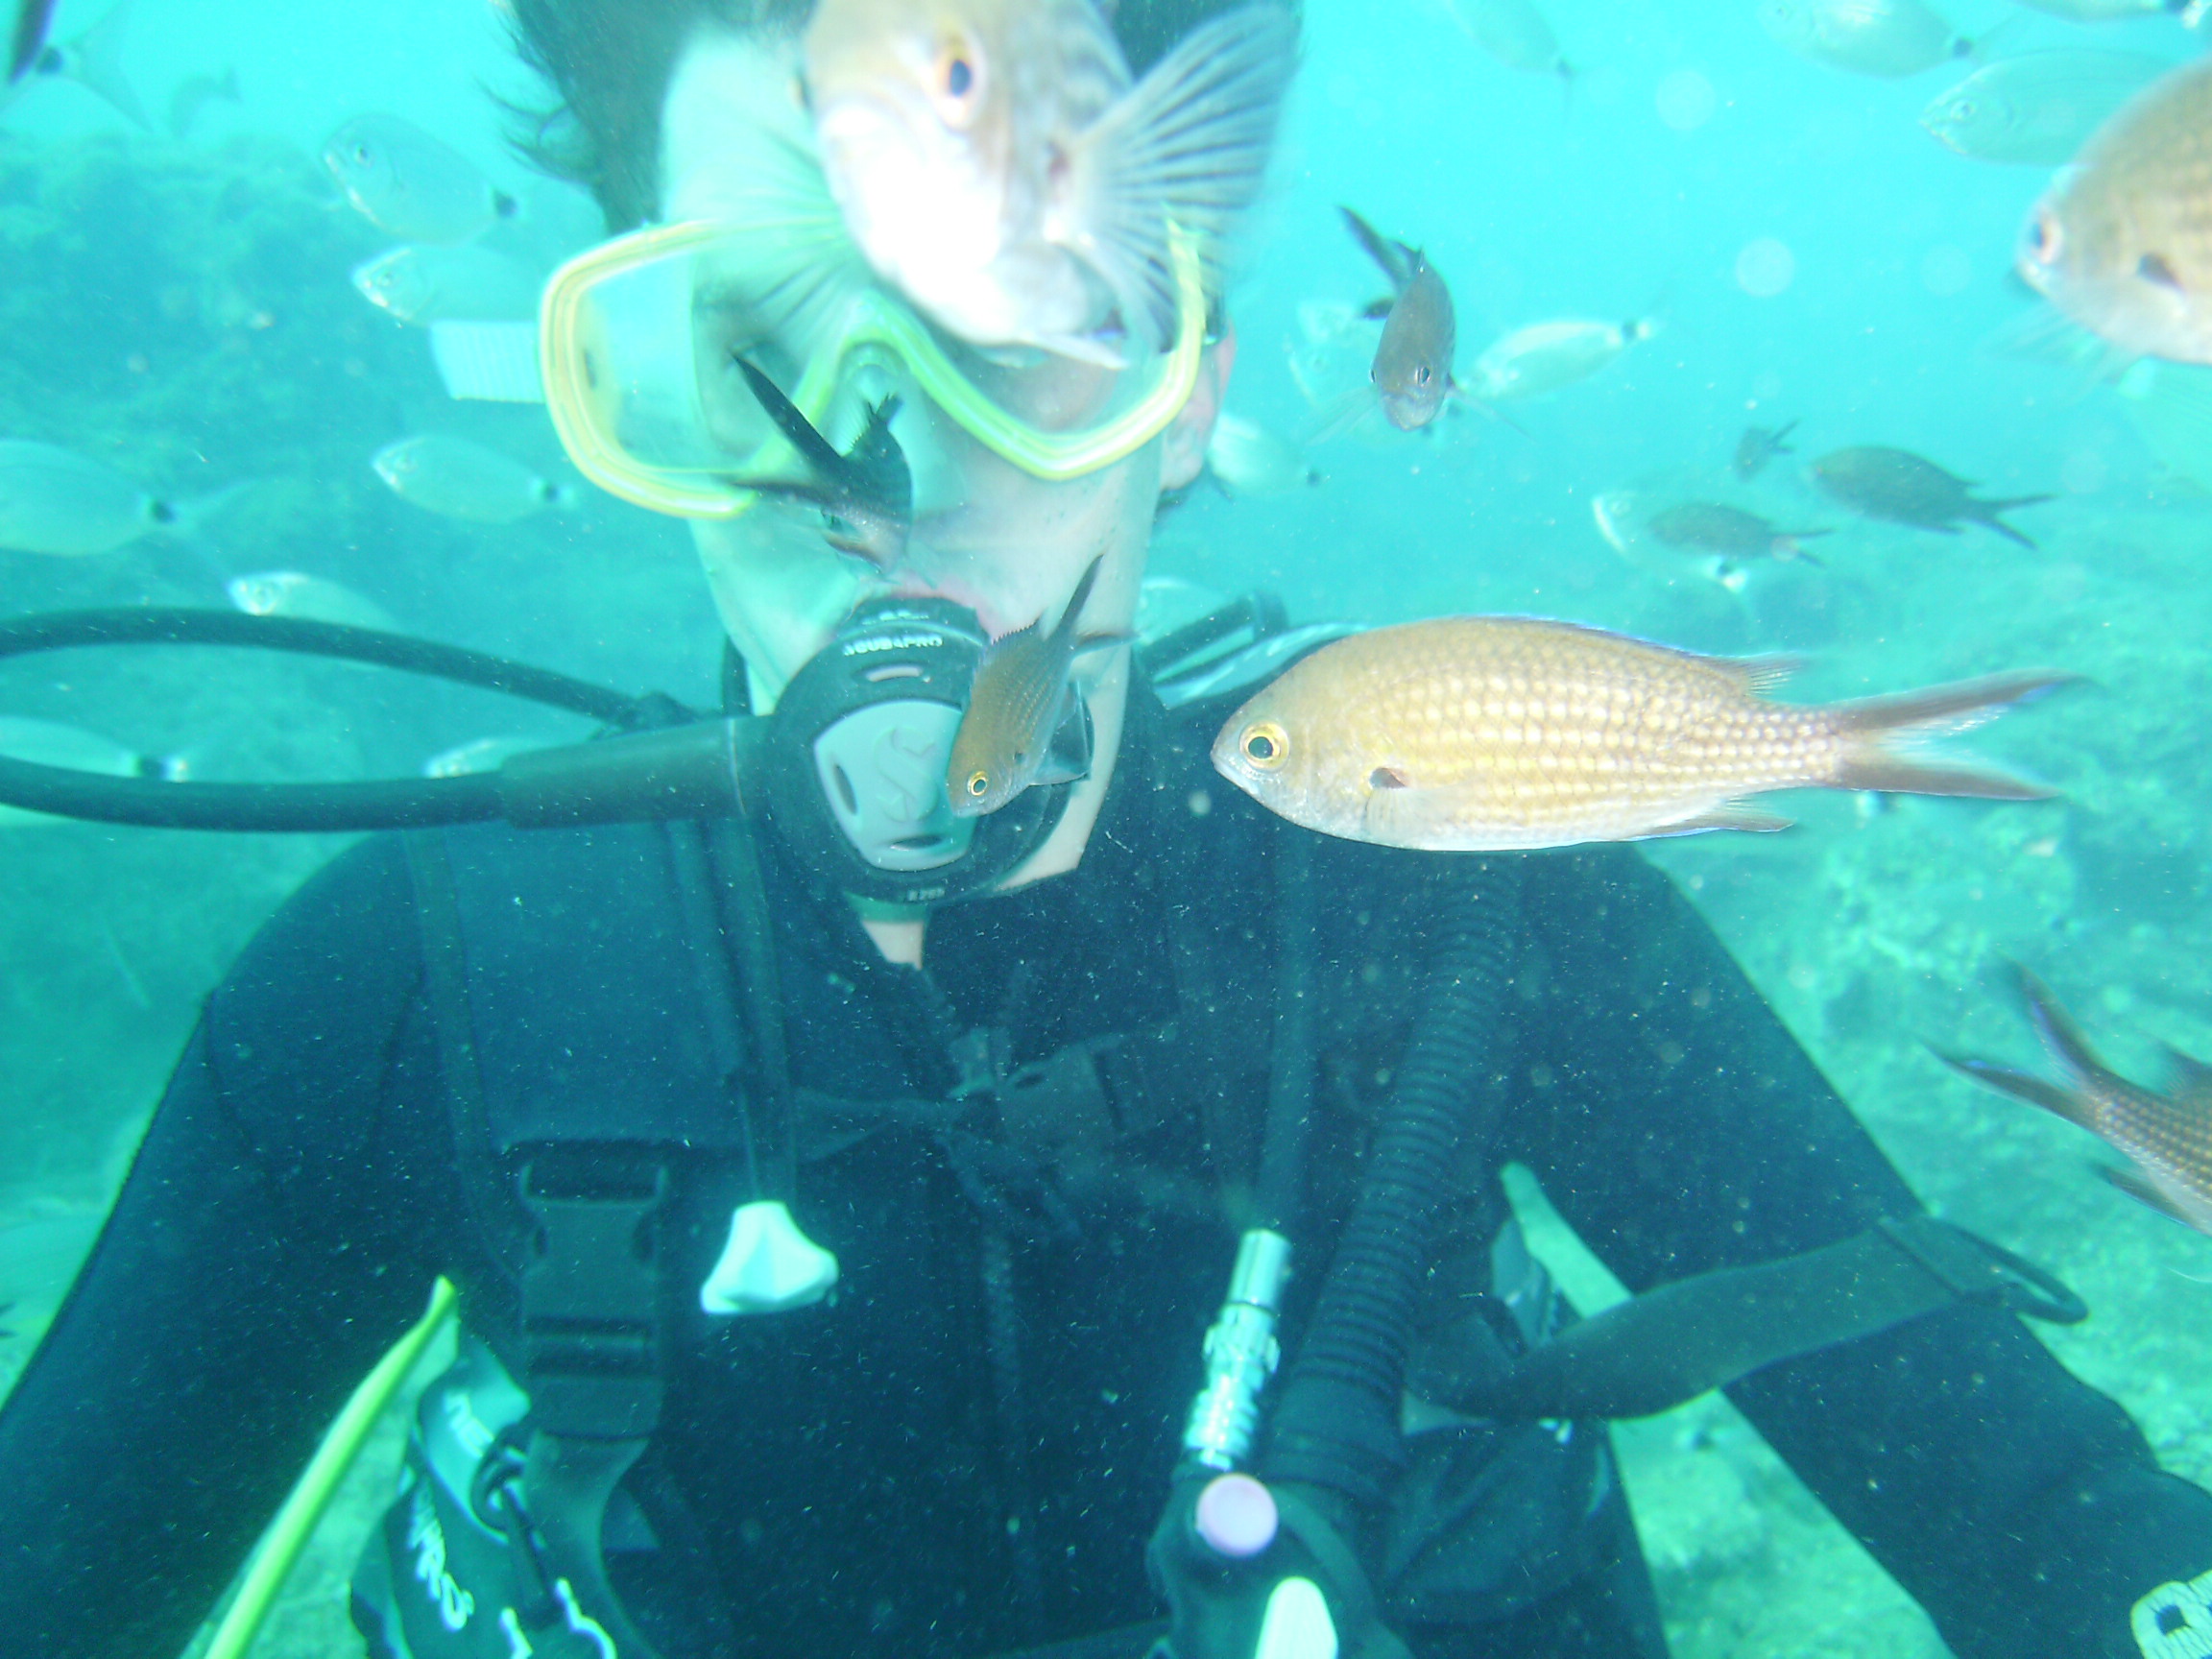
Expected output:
{"points": [[1398, 262], [2062, 1037], [1760, 675], [1064, 631], [817, 451], [2192, 1084]]}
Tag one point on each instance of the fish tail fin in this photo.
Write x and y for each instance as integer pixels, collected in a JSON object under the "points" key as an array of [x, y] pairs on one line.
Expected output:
{"points": [[95, 61], [1873, 727], [1986, 512], [187, 521], [2069, 1104], [1186, 146], [2063, 1040]]}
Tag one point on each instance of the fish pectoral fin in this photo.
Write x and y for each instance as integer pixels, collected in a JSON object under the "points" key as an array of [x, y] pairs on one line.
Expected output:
{"points": [[1728, 815], [1188, 145], [1388, 778], [1376, 310], [2148, 1193]]}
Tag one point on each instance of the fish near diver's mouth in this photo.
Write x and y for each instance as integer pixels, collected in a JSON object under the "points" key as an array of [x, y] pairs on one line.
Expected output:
{"points": [[866, 491]]}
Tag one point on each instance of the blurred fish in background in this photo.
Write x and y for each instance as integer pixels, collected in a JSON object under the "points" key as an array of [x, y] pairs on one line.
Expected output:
{"points": [[1902, 488], [2039, 109], [93, 59], [1886, 38], [1243, 457], [457, 285], [66, 505], [479, 755], [1544, 357], [308, 598], [459, 479], [1716, 528], [410, 185], [1759, 446], [1513, 32]]}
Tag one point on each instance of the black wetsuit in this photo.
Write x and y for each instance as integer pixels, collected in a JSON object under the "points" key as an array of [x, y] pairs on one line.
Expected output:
{"points": [[846, 1466]]}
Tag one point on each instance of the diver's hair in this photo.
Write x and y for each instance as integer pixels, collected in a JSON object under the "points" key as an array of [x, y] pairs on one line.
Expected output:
{"points": [[606, 65]]}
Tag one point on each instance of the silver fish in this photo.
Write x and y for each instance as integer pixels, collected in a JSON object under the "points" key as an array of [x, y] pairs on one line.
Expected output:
{"points": [[479, 755], [1514, 33], [2040, 108], [58, 502], [1544, 356], [458, 478], [994, 159], [464, 285], [309, 598], [1246, 459], [1887, 38], [410, 185]]}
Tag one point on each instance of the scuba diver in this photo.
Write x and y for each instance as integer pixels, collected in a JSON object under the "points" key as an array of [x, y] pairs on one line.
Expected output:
{"points": [[842, 1191]]}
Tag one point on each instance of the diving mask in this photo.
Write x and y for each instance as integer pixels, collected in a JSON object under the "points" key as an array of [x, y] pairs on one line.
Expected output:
{"points": [[642, 343]]}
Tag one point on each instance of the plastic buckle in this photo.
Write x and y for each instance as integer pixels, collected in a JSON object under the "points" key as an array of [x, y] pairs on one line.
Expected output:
{"points": [[591, 1296]]}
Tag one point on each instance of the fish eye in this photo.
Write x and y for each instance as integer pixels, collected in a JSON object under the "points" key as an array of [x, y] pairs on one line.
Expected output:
{"points": [[959, 81], [1422, 374], [2045, 239], [979, 784], [1265, 744]]}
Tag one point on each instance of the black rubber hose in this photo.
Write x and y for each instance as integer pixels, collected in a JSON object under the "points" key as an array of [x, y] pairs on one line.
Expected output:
{"points": [[384, 803], [1337, 1426], [65, 629]]}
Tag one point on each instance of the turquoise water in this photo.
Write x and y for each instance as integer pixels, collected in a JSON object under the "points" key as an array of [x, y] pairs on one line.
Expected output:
{"points": [[181, 308]]}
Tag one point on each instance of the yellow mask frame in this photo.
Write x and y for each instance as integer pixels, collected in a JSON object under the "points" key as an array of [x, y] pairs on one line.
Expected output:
{"points": [[876, 319]]}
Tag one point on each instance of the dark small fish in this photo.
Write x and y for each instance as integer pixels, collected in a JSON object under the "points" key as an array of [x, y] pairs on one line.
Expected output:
{"points": [[2167, 1136], [867, 492], [1759, 446], [1900, 487], [1711, 527], [1413, 361], [31, 17], [1020, 698]]}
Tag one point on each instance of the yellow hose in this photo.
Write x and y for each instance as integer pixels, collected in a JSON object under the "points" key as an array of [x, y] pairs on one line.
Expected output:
{"points": [[295, 1522]]}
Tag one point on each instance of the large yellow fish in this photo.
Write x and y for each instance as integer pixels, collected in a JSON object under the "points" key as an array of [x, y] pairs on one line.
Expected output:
{"points": [[995, 159], [1487, 733], [2121, 241]]}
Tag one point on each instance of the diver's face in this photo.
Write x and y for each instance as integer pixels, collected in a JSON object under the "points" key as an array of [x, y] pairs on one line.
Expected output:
{"points": [[986, 534]]}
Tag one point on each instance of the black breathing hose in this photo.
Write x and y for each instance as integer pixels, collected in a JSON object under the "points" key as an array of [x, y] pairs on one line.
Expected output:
{"points": [[1336, 1425], [530, 793]]}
